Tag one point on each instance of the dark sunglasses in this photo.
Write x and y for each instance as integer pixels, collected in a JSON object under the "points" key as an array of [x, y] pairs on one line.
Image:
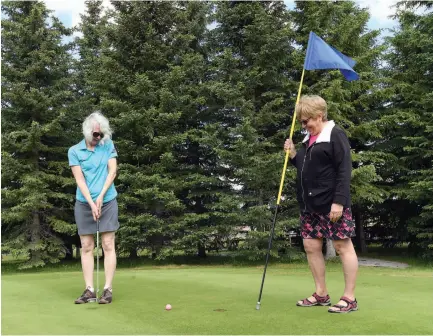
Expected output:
{"points": [[97, 134], [305, 122]]}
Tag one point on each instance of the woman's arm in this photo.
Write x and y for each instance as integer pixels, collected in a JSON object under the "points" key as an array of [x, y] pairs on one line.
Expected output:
{"points": [[343, 167], [81, 183], [112, 170]]}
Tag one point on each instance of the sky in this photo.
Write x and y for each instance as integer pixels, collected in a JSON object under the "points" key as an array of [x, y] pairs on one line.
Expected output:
{"points": [[69, 11]]}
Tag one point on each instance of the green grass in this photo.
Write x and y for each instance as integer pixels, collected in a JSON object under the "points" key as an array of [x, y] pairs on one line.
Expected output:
{"points": [[392, 301]]}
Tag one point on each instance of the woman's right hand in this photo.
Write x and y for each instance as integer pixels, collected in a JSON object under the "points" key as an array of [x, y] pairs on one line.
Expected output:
{"points": [[95, 211], [289, 146]]}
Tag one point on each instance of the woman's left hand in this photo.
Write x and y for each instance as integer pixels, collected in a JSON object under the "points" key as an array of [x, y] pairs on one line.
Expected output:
{"points": [[98, 203], [336, 212]]}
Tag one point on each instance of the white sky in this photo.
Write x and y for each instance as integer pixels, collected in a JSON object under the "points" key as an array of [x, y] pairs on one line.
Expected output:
{"points": [[69, 11], [379, 10]]}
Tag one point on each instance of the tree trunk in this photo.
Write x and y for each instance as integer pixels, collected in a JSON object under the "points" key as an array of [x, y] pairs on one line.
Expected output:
{"points": [[330, 250], [260, 202], [156, 248], [77, 252], [360, 235], [35, 237], [133, 253], [69, 255], [201, 251]]}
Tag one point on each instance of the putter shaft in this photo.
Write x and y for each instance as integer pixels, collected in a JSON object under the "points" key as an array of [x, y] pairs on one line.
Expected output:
{"points": [[97, 259]]}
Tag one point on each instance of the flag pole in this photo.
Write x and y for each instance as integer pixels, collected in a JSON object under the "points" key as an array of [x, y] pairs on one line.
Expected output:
{"points": [[290, 137], [280, 192]]}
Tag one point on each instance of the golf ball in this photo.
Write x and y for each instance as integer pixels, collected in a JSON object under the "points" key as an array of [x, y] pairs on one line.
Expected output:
{"points": [[168, 307]]}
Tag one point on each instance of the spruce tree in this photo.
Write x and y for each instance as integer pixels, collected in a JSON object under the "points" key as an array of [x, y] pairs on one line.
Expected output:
{"points": [[36, 90], [253, 90], [410, 74], [152, 68]]}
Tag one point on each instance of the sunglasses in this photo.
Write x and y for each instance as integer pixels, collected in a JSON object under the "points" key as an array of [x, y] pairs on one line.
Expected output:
{"points": [[305, 122], [97, 134]]}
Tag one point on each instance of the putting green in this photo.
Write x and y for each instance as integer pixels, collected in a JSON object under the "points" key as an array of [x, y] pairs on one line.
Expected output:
{"points": [[217, 300]]}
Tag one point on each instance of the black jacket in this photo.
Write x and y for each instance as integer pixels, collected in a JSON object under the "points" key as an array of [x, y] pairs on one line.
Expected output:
{"points": [[324, 171]]}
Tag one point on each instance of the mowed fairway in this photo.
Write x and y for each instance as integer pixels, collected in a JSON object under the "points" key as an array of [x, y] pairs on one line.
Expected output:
{"points": [[217, 300]]}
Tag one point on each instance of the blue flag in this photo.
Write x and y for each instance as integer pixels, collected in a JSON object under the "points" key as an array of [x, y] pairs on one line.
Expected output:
{"points": [[320, 55]]}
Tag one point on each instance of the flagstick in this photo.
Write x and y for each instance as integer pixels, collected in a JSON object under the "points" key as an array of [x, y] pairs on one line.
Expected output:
{"points": [[279, 193], [290, 137]]}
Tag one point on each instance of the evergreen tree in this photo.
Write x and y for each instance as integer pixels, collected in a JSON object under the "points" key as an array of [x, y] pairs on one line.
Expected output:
{"points": [[410, 73], [89, 47], [36, 89], [151, 71], [254, 95]]}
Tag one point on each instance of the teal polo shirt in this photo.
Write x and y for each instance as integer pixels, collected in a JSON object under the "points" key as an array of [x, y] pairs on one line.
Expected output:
{"points": [[94, 165]]}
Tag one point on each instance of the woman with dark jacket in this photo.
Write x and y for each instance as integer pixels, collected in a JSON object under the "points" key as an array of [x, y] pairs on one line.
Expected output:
{"points": [[324, 167]]}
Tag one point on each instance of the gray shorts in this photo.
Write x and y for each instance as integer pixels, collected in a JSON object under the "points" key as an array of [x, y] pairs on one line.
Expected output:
{"points": [[108, 221]]}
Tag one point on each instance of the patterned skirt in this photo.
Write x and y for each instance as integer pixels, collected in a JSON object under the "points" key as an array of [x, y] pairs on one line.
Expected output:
{"points": [[315, 225]]}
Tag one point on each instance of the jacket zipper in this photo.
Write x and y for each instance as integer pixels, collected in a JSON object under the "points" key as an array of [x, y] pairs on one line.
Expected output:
{"points": [[302, 185], [311, 151], [302, 171]]}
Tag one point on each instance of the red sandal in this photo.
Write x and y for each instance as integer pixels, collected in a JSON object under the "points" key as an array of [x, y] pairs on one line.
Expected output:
{"points": [[351, 306], [320, 301]]}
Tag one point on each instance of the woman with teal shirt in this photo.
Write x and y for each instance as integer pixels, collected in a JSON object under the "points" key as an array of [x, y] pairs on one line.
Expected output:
{"points": [[94, 165]]}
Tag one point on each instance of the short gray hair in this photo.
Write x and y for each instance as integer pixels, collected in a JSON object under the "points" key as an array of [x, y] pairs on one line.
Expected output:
{"points": [[311, 106], [104, 125]]}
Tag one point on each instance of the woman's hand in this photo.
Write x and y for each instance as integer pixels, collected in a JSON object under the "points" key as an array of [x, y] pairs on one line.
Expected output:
{"points": [[99, 202], [95, 211], [336, 212], [289, 146]]}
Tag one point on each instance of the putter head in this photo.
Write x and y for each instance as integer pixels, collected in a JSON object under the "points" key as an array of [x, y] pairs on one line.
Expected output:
{"points": [[93, 300], [258, 306]]}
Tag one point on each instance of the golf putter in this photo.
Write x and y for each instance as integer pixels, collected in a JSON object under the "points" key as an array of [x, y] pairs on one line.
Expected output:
{"points": [[97, 263], [97, 260]]}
